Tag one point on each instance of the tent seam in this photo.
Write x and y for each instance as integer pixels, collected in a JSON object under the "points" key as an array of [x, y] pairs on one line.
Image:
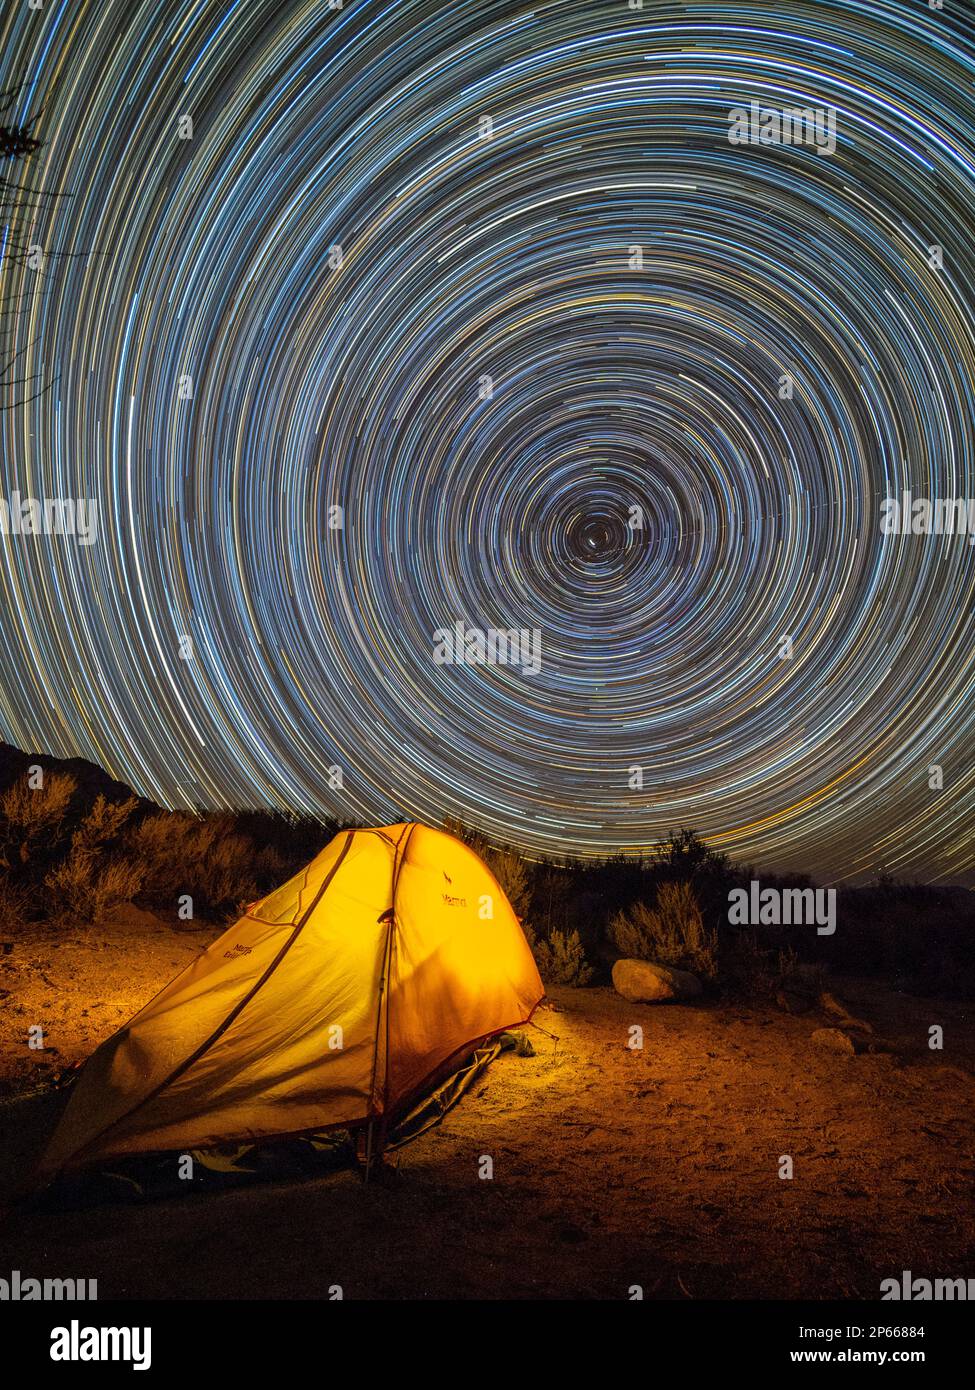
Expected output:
{"points": [[234, 1013]]}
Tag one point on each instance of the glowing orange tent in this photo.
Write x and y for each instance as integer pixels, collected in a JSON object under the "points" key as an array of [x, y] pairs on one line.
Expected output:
{"points": [[336, 1001]]}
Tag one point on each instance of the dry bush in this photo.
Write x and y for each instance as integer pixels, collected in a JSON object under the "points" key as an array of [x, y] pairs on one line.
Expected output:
{"points": [[470, 837], [32, 818], [802, 977], [634, 932], [89, 882], [15, 902], [747, 967], [204, 857], [512, 877], [230, 868], [85, 887], [161, 841], [670, 933], [104, 822], [171, 845], [754, 969], [294, 839], [561, 959]]}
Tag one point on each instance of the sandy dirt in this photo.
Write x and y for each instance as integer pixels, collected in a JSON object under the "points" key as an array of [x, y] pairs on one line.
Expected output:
{"points": [[612, 1167]]}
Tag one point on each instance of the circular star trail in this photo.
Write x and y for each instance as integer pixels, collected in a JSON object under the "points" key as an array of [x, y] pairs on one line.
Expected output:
{"points": [[360, 323]]}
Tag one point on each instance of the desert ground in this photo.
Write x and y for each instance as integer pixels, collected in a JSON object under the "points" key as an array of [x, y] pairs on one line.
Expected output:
{"points": [[613, 1167]]}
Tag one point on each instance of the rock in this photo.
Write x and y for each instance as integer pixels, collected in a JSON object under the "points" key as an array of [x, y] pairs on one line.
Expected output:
{"points": [[859, 1025], [831, 1005], [643, 982], [836, 1040]]}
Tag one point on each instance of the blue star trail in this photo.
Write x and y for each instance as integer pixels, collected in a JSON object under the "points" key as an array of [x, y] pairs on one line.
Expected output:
{"points": [[360, 322]]}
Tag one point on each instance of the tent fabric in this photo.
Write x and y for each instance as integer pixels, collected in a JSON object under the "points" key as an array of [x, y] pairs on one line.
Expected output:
{"points": [[431, 1108], [329, 1004], [138, 1178]]}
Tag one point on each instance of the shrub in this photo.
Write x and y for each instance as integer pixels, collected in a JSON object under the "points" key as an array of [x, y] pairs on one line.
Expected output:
{"points": [[33, 818], [86, 888], [671, 933], [230, 876], [291, 840], [88, 883], [551, 898], [751, 968], [561, 959], [14, 904], [802, 977], [747, 967], [205, 857], [512, 876], [470, 837], [104, 822], [687, 855]]}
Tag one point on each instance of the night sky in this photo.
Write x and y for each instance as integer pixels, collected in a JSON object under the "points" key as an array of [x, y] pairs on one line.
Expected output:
{"points": [[493, 344]]}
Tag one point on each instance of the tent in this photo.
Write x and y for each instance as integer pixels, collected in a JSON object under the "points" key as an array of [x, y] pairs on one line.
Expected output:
{"points": [[337, 1001]]}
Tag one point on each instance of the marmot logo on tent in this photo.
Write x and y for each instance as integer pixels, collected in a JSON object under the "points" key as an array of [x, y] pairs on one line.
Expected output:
{"points": [[454, 902], [237, 951]]}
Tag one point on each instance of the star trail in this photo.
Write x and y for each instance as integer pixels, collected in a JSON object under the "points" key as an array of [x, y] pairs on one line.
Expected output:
{"points": [[360, 322]]}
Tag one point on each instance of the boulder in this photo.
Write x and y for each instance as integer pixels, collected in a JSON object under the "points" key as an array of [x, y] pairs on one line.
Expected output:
{"points": [[831, 1005], [836, 1040], [643, 982]]}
